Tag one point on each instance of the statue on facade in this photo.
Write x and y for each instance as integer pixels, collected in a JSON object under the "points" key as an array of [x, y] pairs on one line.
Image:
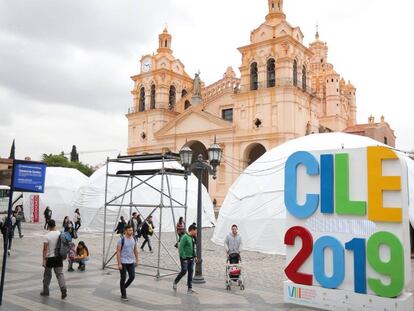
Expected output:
{"points": [[197, 85]]}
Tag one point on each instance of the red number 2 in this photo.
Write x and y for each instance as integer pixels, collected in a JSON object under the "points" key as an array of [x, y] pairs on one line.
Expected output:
{"points": [[297, 262]]}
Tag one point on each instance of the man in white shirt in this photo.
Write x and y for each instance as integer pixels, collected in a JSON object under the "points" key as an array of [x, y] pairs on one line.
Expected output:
{"points": [[51, 261]]}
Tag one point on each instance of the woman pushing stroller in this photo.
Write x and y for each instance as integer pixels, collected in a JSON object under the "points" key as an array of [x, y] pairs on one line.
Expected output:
{"points": [[232, 245]]}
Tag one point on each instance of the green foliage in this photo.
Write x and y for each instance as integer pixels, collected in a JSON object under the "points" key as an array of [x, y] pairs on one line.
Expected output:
{"points": [[54, 160]]}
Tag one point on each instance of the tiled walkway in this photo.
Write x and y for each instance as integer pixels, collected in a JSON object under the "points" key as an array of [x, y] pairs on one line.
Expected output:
{"points": [[98, 289]]}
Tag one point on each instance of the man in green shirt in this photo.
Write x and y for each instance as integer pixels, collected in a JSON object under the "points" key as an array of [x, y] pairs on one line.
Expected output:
{"points": [[187, 257]]}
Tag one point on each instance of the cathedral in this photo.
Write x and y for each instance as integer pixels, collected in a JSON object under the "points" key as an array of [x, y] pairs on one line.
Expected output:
{"points": [[285, 90]]}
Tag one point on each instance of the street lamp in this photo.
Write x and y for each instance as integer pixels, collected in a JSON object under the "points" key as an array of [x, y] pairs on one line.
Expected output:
{"points": [[201, 166]]}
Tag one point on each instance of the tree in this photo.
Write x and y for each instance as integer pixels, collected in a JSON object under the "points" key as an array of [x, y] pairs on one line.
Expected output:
{"points": [[13, 151], [74, 156], [59, 160]]}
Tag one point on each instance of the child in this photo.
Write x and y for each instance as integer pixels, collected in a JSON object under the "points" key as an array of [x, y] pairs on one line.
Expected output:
{"points": [[72, 255], [81, 256]]}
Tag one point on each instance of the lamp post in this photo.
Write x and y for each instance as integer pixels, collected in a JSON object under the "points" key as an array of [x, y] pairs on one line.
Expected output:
{"points": [[202, 167]]}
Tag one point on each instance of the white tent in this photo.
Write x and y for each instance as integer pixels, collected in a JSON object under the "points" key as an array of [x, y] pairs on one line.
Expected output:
{"points": [[61, 186], [90, 198], [255, 202]]}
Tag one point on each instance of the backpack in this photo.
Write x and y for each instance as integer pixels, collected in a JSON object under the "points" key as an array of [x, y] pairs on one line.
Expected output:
{"points": [[63, 245]]}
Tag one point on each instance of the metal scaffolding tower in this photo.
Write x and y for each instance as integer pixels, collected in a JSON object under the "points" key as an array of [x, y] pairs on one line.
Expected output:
{"points": [[134, 179]]}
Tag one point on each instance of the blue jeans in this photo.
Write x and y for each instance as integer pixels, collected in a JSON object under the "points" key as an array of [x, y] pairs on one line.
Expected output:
{"points": [[187, 266], [82, 262], [146, 240], [18, 224]]}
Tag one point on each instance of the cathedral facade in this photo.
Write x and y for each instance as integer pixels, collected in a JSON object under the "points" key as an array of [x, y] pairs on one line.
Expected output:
{"points": [[285, 90]]}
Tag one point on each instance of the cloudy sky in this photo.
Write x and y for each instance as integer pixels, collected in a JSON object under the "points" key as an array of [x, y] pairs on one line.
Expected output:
{"points": [[65, 65]]}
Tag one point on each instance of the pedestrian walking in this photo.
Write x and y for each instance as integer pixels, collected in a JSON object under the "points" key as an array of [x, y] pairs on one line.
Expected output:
{"points": [[127, 258], [18, 214], [48, 216], [68, 226], [136, 223], [77, 219], [187, 258], [120, 228], [147, 231], [51, 260], [81, 256], [6, 226]]}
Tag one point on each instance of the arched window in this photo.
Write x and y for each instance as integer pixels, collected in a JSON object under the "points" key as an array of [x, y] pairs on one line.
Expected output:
{"points": [[254, 79], [271, 73], [142, 99], [171, 101], [187, 104], [166, 43], [304, 78], [152, 104], [295, 73], [184, 93]]}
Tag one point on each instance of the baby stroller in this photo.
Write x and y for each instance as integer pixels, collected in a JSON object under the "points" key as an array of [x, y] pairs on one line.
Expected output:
{"points": [[234, 272]]}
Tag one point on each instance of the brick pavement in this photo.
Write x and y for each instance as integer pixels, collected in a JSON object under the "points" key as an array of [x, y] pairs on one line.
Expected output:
{"points": [[98, 289]]}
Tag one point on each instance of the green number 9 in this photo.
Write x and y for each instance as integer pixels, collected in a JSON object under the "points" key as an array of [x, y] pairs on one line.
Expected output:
{"points": [[394, 268]]}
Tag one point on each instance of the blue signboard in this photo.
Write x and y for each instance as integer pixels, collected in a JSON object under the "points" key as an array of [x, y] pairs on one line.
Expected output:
{"points": [[29, 176]]}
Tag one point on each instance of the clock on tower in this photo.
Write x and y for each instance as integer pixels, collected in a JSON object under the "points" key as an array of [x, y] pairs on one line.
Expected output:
{"points": [[146, 65]]}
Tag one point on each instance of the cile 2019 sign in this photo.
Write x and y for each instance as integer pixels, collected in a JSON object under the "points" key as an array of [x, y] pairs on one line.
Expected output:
{"points": [[347, 225]]}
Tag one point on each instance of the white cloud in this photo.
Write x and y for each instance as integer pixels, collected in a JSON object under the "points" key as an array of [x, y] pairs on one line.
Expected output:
{"points": [[66, 67]]}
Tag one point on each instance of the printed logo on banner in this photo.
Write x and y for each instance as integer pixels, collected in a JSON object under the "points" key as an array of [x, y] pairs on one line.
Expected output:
{"points": [[347, 222], [294, 292]]}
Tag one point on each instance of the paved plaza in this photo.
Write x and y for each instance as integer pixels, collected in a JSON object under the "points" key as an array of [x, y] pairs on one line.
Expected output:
{"points": [[98, 289]]}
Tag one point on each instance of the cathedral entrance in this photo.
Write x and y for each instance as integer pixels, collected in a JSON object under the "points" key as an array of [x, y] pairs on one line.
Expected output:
{"points": [[199, 148], [253, 152]]}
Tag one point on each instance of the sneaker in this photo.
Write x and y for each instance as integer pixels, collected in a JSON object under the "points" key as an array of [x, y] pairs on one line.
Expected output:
{"points": [[124, 298], [82, 268], [191, 291], [44, 294], [21, 236], [71, 270], [174, 286], [64, 294]]}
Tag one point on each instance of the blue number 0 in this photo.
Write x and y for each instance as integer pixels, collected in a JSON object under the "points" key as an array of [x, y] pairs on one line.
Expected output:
{"points": [[338, 262]]}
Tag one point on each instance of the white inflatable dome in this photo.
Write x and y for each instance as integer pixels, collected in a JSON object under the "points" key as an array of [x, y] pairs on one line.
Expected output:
{"points": [[61, 186], [90, 198], [255, 202]]}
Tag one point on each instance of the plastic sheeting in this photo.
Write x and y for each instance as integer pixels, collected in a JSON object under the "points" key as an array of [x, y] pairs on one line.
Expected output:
{"points": [[61, 186], [255, 202], [90, 198]]}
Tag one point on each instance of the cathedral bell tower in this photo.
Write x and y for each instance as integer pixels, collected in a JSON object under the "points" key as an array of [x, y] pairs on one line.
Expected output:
{"points": [[275, 9], [165, 40]]}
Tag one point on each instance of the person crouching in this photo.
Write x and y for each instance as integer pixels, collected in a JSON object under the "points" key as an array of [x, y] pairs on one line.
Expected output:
{"points": [[81, 257]]}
